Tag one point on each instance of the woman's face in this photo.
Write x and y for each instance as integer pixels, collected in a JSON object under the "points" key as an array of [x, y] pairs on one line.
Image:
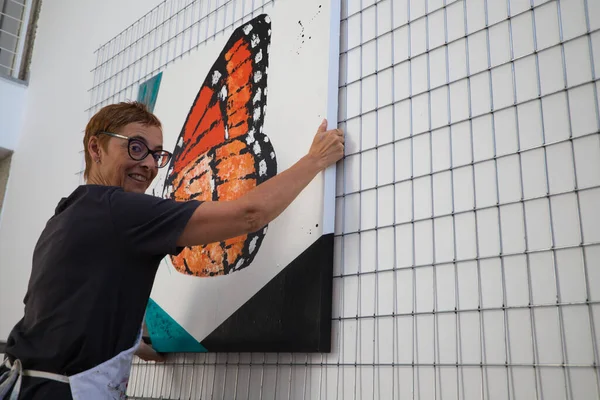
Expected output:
{"points": [[117, 168]]}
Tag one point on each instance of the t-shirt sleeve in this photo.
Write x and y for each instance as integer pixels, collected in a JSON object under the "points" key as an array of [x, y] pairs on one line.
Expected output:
{"points": [[148, 224]]}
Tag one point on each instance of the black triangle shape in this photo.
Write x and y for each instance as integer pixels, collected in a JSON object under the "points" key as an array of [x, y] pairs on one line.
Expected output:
{"points": [[291, 313]]}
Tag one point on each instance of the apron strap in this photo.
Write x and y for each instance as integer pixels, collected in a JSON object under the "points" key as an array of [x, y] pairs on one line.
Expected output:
{"points": [[36, 374]]}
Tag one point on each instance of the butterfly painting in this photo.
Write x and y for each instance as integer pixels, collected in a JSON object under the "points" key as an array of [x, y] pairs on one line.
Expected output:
{"points": [[222, 151]]}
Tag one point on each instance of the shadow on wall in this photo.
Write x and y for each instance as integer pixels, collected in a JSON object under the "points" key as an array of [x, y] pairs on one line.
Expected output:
{"points": [[5, 157]]}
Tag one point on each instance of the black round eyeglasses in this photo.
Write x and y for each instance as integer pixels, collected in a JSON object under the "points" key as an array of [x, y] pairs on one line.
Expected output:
{"points": [[138, 150]]}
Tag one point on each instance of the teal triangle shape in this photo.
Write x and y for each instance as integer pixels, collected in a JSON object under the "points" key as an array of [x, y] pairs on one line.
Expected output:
{"points": [[167, 335]]}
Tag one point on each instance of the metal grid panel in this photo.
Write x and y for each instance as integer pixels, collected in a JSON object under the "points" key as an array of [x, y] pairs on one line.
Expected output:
{"points": [[467, 230], [14, 16]]}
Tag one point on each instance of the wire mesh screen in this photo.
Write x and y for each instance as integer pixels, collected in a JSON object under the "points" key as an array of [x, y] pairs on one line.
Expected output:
{"points": [[467, 226]]}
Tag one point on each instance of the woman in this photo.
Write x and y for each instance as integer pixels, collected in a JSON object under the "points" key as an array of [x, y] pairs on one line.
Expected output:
{"points": [[95, 261]]}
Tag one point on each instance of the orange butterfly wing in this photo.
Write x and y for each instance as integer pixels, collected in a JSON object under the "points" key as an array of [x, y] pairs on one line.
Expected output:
{"points": [[221, 152]]}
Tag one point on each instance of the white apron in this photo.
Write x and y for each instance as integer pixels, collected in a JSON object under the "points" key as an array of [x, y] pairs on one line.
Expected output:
{"points": [[103, 382]]}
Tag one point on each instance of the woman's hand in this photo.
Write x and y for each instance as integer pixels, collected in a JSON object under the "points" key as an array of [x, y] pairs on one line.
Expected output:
{"points": [[147, 353], [327, 147]]}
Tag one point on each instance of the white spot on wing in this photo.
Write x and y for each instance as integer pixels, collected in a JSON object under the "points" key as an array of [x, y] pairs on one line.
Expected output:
{"points": [[215, 78], [266, 139], [257, 76], [257, 113], [269, 32], [223, 93], [267, 19], [239, 264], [247, 29], [212, 185], [257, 96], [180, 142], [272, 155], [255, 40], [250, 138], [262, 168], [252, 246], [226, 133], [256, 148], [259, 56]]}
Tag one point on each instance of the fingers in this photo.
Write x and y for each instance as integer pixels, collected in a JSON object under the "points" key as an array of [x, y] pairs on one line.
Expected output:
{"points": [[323, 127]]}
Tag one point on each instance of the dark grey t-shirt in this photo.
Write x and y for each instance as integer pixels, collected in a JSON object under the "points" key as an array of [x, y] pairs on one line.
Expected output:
{"points": [[92, 273]]}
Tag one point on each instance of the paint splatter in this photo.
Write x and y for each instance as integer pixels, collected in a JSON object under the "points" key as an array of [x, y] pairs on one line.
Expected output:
{"points": [[302, 36]]}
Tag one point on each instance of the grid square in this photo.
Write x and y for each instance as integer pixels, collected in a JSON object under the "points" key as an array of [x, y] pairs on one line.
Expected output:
{"points": [[444, 240], [367, 297], [351, 212], [369, 24], [485, 184], [459, 101], [439, 107], [463, 189], [483, 138], [354, 28], [368, 169], [384, 51], [433, 5], [418, 37], [385, 248], [385, 88], [467, 285], [343, 69], [436, 25], [480, 94], [517, 286], [339, 178], [368, 209], [403, 161], [537, 219], [584, 119], [499, 42], [385, 125], [399, 12], [442, 189], [546, 26], [420, 113], [526, 79], [551, 71], [520, 344], [417, 9], [496, 12], [513, 229], [350, 250], [491, 283], [565, 220], [419, 72], [368, 251], [369, 58], [422, 197], [475, 15], [534, 173], [530, 125], [404, 200], [437, 67], [588, 201], [478, 52], [440, 147], [556, 122], [587, 161], [339, 215], [369, 93], [577, 59], [421, 154], [400, 44], [401, 81], [352, 173], [384, 17], [577, 335], [445, 288], [488, 232], [522, 34], [560, 168], [509, 179], [461, 144], [505, 130], [457, 60], [571, 276], [353, 73], [385, 165], [424, 296], [352, 100], [352, 136], [543, 283], [423, 231], [572, 19], [455, 18], [385, 206], [502, 83]]}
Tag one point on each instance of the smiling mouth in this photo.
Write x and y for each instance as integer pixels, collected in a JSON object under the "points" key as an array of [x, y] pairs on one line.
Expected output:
{"points": [[138, 178]]}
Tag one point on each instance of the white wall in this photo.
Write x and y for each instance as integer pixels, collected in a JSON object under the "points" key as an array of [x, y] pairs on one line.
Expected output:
{"points": [[12, 108], [43, 165]]}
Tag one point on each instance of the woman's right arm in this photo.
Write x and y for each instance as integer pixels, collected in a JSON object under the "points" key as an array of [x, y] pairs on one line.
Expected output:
{"points": [[215, 221]]}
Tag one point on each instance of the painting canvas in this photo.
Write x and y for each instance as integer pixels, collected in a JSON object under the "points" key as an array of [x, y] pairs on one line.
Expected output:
{"points": [[241, 108]]}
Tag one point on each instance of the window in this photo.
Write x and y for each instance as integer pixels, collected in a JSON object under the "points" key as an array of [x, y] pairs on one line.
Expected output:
{"points": [[17, 25]]}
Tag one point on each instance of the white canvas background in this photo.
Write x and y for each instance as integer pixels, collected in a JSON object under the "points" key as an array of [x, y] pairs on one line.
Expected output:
{"points": [[297, 101]]}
